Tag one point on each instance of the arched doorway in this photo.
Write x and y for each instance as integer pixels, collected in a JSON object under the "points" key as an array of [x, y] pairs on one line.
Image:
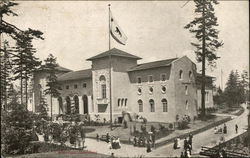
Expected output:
{"points": [[85, 104], [60, 103], [68, 105], [76, 100]]}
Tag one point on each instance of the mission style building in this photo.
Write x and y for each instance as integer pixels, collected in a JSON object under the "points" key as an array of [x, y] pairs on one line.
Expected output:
{"points": [[157, 91]]}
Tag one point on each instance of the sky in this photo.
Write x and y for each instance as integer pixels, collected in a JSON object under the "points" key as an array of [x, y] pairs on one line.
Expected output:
{"points": [[77, 30]]}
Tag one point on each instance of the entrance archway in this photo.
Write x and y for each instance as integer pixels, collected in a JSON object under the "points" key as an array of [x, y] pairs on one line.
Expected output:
{"points": [[68, 105], [76, 100], [85, 104], [60, 102]]}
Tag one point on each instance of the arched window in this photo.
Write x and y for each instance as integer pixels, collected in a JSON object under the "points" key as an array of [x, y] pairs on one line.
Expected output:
{"points": [[151, 90], [181, 75], [118, 102], [60, 103], [122, 102], [140, 103], [164, 105], [152, 105], [190, 75], [186, 104], [103, 86], [139, 91], [163, 89], [125, 101], [76, 101], [186, 90], [68, 105]]}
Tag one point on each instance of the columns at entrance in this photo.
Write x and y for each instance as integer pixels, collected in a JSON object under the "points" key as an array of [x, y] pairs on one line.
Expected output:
{"points": [[90, 104], [80, 104]]}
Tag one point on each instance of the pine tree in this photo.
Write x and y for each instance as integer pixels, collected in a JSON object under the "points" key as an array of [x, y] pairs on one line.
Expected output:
{"points": [[6, 67], [245, 84], [52, 83], [203, 26], [24, 60]]}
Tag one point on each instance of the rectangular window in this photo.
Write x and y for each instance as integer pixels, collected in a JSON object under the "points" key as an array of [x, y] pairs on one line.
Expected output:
{"points": [[150, 78], [75, 86], [104, 91], [67, 87], [138, 79], [102, 108], [186, 90], [163, 77], [84, 85]]}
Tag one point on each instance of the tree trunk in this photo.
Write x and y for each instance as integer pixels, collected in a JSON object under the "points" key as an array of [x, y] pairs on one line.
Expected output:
{"points": [[26, 89], [51, 106], [21, 74], [203, 82], [5, 78]]}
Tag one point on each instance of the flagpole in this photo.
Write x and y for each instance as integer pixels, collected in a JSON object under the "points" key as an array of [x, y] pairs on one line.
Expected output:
{"points": [[110, 66]]}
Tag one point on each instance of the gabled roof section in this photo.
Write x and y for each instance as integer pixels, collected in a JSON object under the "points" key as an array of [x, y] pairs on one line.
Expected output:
{"points": [[76, 75], [114, 52], [154, 64], [58, 68]]}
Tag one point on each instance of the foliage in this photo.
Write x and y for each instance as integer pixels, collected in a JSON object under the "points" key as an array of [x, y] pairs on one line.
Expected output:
{"points": [[17, 130], [183, 122], [204, 28], [234, 92]]}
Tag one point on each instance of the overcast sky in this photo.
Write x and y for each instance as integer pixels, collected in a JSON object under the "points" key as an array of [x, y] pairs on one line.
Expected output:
{"points": [[75, 31]]}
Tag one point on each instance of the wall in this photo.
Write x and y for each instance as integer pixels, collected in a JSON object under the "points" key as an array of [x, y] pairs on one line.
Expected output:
{"points": [[208, 102], [186, 65]]}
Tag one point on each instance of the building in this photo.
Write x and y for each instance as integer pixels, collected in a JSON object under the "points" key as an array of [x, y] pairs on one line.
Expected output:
{"points": [[158, 91]]}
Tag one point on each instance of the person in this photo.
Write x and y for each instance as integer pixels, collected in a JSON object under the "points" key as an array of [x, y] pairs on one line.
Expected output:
{"points": [[225, 129], [153, 140], [215, 130], [175, 144], [135, 141], [178, 143], [189, 148], [148, 146], [188, 154], [107, 137], [119, 143], [109, 145], [236, 128], [97, 137], [182, 155], [112, 155], [185, 143], [190, 140]]}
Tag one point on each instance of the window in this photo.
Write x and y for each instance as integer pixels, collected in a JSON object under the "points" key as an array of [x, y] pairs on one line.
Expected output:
{"points": [[138, 79], [104, 95], [151, 90], [150, 78], [119, 102], [152, 105], [140, 103], [139, 91], [207, 95], [164, 105], [67, 87], [76, 101], [84, 85], [186, 90], [190, 75], [181, 75], [75, 86], [163, 77], [122, 101], [125, 101], [163, 89], [186, 105]]}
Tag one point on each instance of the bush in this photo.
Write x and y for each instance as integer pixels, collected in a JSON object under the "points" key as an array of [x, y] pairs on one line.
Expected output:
{"points": [[161, 127], [16, 130], [152, 128], [170, 126]]}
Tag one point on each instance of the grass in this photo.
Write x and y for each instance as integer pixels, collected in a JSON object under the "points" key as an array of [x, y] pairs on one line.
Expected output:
{"points": [[126, 134]]}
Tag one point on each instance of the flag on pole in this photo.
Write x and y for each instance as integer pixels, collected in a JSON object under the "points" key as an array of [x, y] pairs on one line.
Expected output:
{"points": [[116, 32]]}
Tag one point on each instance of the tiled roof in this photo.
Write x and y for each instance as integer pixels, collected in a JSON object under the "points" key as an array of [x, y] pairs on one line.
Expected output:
{"points": [[76, 75], [154, 64], [114, 52]]}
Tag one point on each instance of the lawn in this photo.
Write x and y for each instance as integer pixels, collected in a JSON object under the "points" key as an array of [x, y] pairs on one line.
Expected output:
{"points": [[126, 134]]}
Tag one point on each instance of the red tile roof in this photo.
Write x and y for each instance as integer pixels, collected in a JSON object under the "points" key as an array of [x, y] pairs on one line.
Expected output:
{"points": [[154, 64], [76, 75], [114, 52]]}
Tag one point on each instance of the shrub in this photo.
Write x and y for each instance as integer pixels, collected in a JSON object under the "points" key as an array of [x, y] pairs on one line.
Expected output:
{"points": [[143, 128], [170, 126], [161, 127], [152, 128]]}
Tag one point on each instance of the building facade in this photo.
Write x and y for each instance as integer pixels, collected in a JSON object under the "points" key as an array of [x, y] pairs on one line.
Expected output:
{"points": [[158, 91]]}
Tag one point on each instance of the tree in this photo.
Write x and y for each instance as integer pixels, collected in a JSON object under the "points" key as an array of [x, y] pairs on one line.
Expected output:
{"points": [[245, 84], [24, 60], [203, 26], [52, 83], [16, 129], [6, 68]]}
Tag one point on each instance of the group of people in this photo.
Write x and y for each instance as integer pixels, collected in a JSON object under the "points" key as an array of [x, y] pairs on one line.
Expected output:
{"points": [[187, 146], [113, 142], [148, 142], [221, 129]]}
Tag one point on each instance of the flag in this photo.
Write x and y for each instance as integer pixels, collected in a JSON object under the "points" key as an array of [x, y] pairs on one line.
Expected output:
{"points": [[116, 31]]}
